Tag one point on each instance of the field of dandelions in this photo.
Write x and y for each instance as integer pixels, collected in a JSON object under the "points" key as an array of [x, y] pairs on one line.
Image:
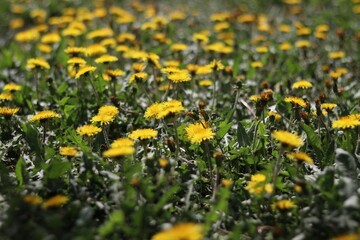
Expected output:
{"points": [[180, 120]]}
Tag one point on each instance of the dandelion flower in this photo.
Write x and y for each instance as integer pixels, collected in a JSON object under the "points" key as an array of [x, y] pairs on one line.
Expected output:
{"points": [[328, 106], [302, 84], [102, 119], [146, 133], [6, 96], [287, 138], [55, 201], [285, 46], [302, 44], [84, 70], [8, 111], [119, 151], [11, 87], [88, 130], [216, 65], [163, 162], [181, 231], [37, 62], [257, 64], [32, 199], [51, 38], [178, 47], [68, 151], [181, 76], [141, 76], [199, 132], [258, 185], [348, 236], [75, 50], [283, 205], [106, 59], [76, 61], [205, 83], [300, 157], [336, 55], [161, 110], [296, 101], [346, 123], [44, 115], [95, 49], [122, 142], [274, 115]]}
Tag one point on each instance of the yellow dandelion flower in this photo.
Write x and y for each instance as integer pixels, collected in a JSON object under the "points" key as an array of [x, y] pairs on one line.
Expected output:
{"points": [[257, 64], [322, 28], [302, 44], [122, 142], [11, 87], [328, 106], [303, 31], [283, 205], [302, 84], [8, 111], [122, 48], [84, 70], [27, 36], [177, 15], [181, 76], [172, 63], [153, 110], [181, 231], [346, 123], [287, 138], [102, 119], [76, 61], [119, 151], [285, 28], [227, 182], [246, 18], [95, 49], [220, 16], [274, 115], [336, 55], [199, 132], [221, 26], [73, 32], [205, 83], [126, 37], [106, 59], [55, 201], [138, 66], [200, 37], [348, 236], [178, 47], [300, 157], [142, 134], [163, 162], [97, 33], [6, 96], [216, 65], [135, 54], [296, 101], [115, 72], [257, 185], [88, 130], [68, 151], [109, 110], [51, 38], [44, 48], [138, 77], [262, 49], [32, 199], [164, 109], [37, 63], [44, 115], [75, 50], [255, 98]]}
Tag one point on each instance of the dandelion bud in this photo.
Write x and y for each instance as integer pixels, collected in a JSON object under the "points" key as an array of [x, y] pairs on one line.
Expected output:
{"points": [[204, 114], [202, 104], [219, 157], [171, 144]]}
